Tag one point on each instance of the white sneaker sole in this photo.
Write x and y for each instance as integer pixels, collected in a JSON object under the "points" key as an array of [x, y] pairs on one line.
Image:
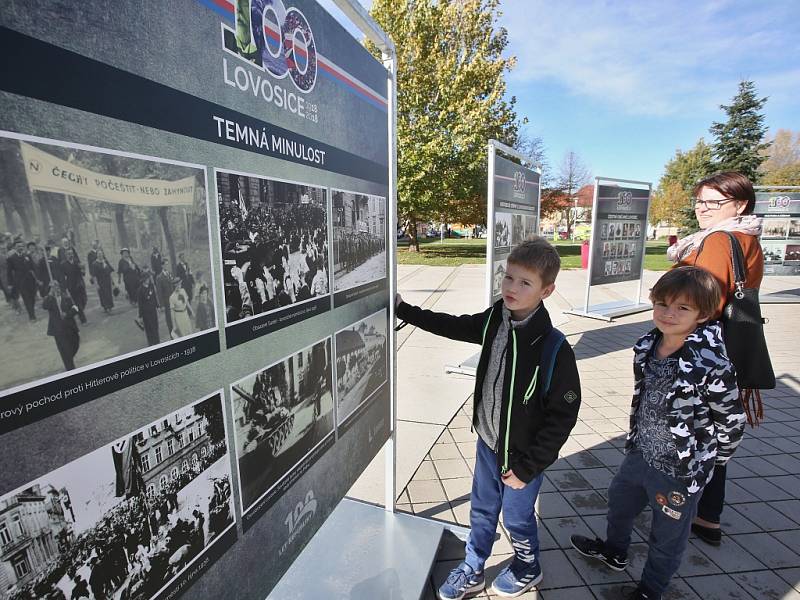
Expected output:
{"points": [[521, 591], [468, 592]]}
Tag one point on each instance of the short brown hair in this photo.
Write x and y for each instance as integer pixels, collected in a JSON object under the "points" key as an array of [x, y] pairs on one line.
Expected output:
{"points": [[698, 285], [730, 184], [538, 255]]}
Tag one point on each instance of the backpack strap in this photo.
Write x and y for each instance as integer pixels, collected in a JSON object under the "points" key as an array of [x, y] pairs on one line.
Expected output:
{"points": [[550, 347]]}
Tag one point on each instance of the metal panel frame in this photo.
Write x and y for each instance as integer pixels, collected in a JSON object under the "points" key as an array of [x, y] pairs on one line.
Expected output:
{"points": [[359, 16]]}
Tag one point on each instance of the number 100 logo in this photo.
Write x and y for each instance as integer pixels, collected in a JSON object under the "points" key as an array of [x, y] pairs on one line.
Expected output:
{"points": [[283, 39]]}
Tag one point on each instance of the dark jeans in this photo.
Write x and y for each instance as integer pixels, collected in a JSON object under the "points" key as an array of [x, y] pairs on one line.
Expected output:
{"points": [[712, 498], [635, 486], [489, 496]]}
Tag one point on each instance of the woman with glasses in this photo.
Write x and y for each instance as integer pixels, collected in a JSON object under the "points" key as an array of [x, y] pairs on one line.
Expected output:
{"points": [[722, 202]]}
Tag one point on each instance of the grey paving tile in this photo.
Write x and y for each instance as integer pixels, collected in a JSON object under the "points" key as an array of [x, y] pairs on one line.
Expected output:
{"points": [[768, 550], [425, 471], [553, 505], [695, 562], [766, 516], [587, 502], [583, 460], [457, 490], [463, 435], [563, 527], [718, 587], [737, 470], [766, 585], [785, 444], [790, 508], [729, 556], [558, 571], [609, 457], [762, 489], [426, 491], [734, 493], [447, 450], [788, 483], [598, 478], [568, 480], [787, 462], [598, 523], [759, 466], [546, 539], [790, 576], [560, 465], [734, 522], [570, 593], [451, 468], [440, 511], [789, 538]]}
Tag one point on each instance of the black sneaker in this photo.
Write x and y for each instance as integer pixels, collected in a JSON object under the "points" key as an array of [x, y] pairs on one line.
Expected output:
{"points": [[710, 535], [596, 548]]}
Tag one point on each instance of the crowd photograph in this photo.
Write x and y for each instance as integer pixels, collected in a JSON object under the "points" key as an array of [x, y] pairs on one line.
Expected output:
{"points": [[360, 362], [125, 520], [359, 239], [274, 243], [502, 230], [101, 255], [774, 229], [280, 414]]}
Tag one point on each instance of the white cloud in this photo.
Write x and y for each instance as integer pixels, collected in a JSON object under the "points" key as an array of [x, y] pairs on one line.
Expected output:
{"points": [[654, 57]]}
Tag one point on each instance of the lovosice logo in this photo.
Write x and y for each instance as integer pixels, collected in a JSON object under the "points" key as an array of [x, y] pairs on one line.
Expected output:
{"points": [[277, 39], [779, 201], [624, 199], [298, 518], [519, 182]]}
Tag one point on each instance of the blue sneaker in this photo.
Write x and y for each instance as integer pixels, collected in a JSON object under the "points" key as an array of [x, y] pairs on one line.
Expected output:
{"points": [[461, 581], [517, 578]]}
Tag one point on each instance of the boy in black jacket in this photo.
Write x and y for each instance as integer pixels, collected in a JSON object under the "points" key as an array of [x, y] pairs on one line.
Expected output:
{"points": [[520, 429]]}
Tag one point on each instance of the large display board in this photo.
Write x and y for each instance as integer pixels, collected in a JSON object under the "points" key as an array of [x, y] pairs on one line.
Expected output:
{"points": [[618, 243], [619, 230], [196, 314], [780, 237], [513, 210]]}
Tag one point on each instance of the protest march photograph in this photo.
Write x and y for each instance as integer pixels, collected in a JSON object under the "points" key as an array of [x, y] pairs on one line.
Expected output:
{"points": [[281, 413], [274, 243], [124, 520], [102, 255], [360, 362], [502, 230], [359, 239]]}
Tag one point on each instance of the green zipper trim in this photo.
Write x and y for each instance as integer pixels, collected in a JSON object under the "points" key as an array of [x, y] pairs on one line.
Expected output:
{"points": [[486, 327], [510, 399], [532, 386]]}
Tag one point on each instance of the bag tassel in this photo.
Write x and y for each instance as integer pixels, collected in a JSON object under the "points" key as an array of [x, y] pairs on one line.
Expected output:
{"points": [[753, 407]]}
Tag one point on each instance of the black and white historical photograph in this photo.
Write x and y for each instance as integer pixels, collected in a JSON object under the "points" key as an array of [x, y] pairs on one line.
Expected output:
{"points": [[125, 520], [281, 413], [792, 253], [502, 230], [531, 230], [774, 229], [498, 273], [359, 239], [794, 228], [274, 242], [360, 362], [101, 255], [773, 253], [517, 229]]}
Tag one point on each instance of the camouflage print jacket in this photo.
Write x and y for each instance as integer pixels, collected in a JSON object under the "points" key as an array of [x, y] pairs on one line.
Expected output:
{"points": [[706, 417]]}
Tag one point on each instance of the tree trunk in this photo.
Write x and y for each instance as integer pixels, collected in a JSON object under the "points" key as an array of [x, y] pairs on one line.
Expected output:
{"points": [[413, 245], [164, 216]]}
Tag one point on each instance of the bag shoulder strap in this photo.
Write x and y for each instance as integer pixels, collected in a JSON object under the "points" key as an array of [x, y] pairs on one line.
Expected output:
{"points": [[737, 258], [551, 345]]}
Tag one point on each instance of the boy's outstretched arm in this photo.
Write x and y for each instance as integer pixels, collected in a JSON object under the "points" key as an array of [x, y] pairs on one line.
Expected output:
{"points": [[727, 411], [561, 407], [464, 328]]}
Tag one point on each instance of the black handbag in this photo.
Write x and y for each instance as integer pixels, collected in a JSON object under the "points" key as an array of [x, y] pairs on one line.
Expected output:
{"points": [[743, 332]]}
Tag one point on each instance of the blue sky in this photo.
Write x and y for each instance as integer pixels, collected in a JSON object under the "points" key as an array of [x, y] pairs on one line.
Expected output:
{"points": [[624, 84]]}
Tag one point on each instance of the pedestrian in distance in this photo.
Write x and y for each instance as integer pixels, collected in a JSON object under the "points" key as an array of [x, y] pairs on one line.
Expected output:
{"points": [[164, 289], [61, 324], [686, 419], [148, 308], [129, 273], [102, 273], [723, 202], [22, 278], [526, 401]]}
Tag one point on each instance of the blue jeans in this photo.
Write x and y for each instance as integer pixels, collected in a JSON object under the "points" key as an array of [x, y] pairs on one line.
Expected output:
{"points": [[636, 485], [489, 496]]}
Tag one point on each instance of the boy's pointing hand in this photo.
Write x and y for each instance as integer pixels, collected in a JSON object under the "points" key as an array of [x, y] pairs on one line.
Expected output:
{"points": [[512, 481]]}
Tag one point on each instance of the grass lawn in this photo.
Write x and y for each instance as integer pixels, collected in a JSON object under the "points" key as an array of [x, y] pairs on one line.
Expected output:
{"points": [[454, 252]]}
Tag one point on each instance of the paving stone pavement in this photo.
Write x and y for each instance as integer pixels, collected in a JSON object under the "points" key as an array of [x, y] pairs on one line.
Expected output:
{"points": [[760, 554]]}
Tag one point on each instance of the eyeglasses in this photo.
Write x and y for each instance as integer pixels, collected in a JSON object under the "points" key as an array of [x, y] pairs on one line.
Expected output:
{"points": [[712, 204]]}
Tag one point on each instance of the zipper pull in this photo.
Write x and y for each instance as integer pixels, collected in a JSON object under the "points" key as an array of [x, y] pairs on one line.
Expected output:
{"points": [[531, 388]]}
